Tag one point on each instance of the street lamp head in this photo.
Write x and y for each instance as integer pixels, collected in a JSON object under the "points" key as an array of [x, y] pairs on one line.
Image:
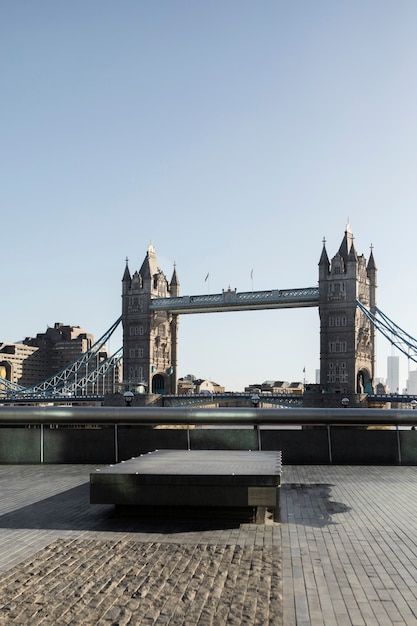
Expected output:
{"points": [[128, 398], [255, 399]]}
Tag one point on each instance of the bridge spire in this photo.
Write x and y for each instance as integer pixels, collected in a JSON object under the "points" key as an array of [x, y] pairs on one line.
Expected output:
{"points": [[324, 262], [174, 285], [371, 262], [126, 276], [347, 244]]}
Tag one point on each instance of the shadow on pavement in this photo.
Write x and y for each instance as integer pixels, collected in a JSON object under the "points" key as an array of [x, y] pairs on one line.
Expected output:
{"points": [[71, 510]]}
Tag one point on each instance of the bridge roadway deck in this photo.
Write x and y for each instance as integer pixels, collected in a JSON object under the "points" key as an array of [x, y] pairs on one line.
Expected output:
{"points": [[344, 553]]}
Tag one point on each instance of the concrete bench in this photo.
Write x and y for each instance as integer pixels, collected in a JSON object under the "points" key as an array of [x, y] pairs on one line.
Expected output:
{"points": [[211, 479]]}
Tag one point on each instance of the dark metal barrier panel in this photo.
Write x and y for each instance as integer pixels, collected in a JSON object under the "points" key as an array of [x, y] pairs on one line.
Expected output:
{"points": [[67, 434], [309, 446], [223, 439], [20, 445], [408, 443], [357, 446], [135, 440], [79, 445]]}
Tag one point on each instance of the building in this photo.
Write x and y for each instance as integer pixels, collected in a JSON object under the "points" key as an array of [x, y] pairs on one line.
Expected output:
{"points": [[36, 359], [347, 337], [276, 387], [21, 364], [192, 385], [393, 374], [60, 346], [412, 383], [149, 339]]}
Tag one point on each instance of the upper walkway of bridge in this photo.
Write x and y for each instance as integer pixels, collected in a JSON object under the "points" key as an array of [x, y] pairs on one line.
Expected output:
{"points": [[231, 300]]}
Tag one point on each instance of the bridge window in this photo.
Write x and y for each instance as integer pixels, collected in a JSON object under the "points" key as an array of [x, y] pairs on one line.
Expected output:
{"points": [[135, 374], [136, 302], [338, 320], [337, 346], [136, 353], [136, 330], [337, 373], [337, 288]]}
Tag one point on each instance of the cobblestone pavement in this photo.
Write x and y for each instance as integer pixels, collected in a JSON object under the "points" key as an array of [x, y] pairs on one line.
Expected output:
{"points": [[87, 582], [343, 554]]}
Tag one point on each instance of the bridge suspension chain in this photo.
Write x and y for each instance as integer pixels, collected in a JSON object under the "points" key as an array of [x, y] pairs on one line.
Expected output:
{"points": [[398, 337], [97, 374], [67, 379], [9, 386]]}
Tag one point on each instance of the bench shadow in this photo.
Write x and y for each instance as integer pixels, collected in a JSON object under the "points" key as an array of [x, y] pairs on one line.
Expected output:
{"points": [[71, 510]]}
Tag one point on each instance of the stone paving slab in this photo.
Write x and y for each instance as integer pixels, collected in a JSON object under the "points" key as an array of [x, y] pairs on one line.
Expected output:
{"points": [[349, 546], [343, 554]]}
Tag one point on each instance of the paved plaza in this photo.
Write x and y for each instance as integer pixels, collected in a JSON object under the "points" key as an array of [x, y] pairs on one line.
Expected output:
{"points": [[343, 553]]}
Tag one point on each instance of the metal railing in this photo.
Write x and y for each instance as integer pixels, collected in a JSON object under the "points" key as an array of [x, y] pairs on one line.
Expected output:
{"points": [[34, 415]]}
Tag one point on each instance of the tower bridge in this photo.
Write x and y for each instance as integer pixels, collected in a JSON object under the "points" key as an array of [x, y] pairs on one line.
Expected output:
{"points": [[151, 306]]}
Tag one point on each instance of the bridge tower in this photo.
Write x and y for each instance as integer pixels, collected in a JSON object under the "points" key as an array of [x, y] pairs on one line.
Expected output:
{"points": [[347, 338], [149, 338]]}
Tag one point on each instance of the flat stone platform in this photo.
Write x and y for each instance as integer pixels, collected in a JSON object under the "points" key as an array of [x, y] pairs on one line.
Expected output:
{"points": [[197, 478]]}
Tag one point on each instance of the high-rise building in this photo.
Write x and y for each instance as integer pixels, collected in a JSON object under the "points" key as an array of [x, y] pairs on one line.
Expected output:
{"points": [[393, 374], [412, 382], [36, 359]]}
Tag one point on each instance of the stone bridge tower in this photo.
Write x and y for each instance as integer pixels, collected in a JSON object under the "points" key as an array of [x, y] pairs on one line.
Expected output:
{"points": [[347, 337], [149, 338]]}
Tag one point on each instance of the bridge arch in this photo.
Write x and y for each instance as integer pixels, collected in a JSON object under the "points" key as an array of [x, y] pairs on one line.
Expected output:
{"points": [[364, 381], [158, 384]]}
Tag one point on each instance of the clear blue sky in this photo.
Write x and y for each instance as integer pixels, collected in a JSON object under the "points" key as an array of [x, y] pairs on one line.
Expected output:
{"points": [[234, 135]]}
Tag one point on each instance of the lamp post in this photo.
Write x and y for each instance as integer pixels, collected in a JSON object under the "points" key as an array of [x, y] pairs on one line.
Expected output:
{"points": [[128, 398], [255, 399]]}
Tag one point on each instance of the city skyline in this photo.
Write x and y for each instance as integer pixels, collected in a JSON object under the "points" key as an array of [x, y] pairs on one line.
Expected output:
{"points": [[234, 136]]}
